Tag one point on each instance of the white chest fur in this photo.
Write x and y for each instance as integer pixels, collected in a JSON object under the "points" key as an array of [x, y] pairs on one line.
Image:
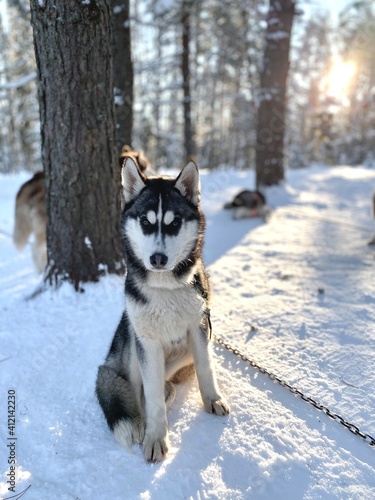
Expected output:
{"points": [[168, 314]]}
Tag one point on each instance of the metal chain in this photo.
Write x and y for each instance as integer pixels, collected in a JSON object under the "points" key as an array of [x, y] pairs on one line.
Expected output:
{"points": [[351, 427]]}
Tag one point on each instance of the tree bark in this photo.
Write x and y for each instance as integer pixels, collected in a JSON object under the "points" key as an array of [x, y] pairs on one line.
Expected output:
{"points": [[123, 73], [73, 48], [272, 95], [185, 67]]}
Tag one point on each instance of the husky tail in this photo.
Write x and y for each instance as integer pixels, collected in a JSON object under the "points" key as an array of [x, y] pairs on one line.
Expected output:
{"points": [[117, 398], [119, 404], [22, 224], [30, 218], [29, 206]]}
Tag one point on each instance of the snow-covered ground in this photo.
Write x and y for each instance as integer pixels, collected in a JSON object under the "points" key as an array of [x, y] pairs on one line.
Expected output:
{"points": [[296, 294]]}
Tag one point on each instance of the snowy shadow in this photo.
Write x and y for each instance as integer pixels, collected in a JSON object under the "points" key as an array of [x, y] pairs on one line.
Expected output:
{"points": [[222, 232]]}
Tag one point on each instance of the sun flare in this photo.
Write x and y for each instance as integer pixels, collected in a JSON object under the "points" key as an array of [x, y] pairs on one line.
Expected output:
{"points": [[339, 79]]}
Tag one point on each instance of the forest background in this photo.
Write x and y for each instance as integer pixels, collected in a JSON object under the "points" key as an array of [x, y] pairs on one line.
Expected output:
{"points": [[330, 92]]}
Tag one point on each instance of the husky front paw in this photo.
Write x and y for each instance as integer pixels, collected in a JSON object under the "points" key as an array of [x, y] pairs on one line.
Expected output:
{"points": [[155, 450], [216, 406]]}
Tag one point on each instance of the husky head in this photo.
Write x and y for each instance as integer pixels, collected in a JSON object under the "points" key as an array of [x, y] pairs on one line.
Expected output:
{"points": [[162, 222]]}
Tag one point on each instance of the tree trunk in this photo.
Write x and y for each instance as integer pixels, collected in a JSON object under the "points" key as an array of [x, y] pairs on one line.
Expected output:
{"points": [[73, 48], [123, 73], [271, 110], [185, 66]]}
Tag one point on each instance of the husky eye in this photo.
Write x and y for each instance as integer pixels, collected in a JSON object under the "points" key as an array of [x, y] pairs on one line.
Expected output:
{"points": [[145, 222], [176, 222]]}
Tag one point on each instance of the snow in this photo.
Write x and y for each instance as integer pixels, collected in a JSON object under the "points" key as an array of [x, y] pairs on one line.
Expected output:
{"points": [[88, 242], [277, 35], [296, 295], [22, 81]]}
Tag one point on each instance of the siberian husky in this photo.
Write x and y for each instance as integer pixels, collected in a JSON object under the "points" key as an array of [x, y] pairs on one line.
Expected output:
{"points": [[30, 213], [249, 204], [165, 330]]}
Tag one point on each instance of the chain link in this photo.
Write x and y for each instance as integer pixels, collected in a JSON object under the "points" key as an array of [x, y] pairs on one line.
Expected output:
{"points": [[334, 416]]}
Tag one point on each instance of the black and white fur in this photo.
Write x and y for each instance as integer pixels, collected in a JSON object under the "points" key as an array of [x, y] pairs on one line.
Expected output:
{"points": [[165, 330]]}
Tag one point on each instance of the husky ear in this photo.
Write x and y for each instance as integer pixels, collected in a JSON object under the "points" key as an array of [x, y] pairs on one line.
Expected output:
{"points": [[188, 182], [132, 179]]}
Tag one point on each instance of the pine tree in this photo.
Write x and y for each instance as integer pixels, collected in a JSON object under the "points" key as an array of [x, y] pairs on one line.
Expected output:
{"points": [[272, 94], [73, 48], [185, 68], [123, 73]]}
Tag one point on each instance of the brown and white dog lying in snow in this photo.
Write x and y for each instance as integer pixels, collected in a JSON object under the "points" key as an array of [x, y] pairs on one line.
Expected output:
{"points": [[30, 211]]}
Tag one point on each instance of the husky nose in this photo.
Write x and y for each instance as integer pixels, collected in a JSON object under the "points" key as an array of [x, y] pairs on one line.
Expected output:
{"points": [[158, 260]]}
